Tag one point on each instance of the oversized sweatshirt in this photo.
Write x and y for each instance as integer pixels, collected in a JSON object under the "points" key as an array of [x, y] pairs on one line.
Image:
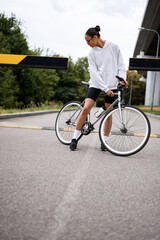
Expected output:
{"points": [[104, 65]]}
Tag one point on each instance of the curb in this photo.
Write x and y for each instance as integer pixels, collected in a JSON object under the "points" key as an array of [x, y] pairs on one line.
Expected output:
{"points": [[26, 114], [153, 116]]}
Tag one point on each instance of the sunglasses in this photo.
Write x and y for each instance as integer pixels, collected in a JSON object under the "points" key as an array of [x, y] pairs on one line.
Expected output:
{"points": [[89, 40]]}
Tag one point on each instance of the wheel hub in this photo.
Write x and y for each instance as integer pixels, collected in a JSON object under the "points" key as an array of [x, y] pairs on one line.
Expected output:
{"points": [[124, 130], [68, 121]]}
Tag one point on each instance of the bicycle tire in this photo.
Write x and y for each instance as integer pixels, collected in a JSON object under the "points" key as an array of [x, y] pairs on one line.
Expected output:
{"points": [[126, 143], [64, 125]]}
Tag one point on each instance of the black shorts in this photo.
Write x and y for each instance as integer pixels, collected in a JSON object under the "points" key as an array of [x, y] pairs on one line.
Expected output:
{"points": [[93, 93]]}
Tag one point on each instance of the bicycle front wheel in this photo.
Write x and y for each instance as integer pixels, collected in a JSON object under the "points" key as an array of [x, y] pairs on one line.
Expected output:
{"points": [[127, 140], [66, 122]]}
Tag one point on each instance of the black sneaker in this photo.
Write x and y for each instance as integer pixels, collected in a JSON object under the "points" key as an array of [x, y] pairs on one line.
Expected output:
{"points": [[73, 145], [103, 147]]}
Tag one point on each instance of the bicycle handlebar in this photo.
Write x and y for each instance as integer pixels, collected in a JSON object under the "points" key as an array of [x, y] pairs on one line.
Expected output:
{"points": [[119, 80], [85, 83]]}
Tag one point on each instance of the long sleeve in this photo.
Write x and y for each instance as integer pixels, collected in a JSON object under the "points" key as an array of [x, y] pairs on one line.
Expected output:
{"points": [[120, 66], [95, 76]]}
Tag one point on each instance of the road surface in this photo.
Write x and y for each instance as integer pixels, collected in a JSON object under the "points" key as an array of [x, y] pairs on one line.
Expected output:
{"points": [[48, 192]]}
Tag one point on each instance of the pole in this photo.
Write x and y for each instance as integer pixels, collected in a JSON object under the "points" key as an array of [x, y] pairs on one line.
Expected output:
{"points": [[154, 84], [157, 52], [130, 96]]}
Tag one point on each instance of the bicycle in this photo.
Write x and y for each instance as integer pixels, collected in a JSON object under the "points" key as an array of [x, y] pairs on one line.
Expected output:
{"points": [[130, 129]]}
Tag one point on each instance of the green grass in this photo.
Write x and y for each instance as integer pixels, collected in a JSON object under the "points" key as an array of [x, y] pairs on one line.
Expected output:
{"points": [[42, 107], [147, 109], [54, 106]]}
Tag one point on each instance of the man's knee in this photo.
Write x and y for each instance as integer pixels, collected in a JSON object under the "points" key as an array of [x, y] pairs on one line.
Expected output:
{"points": [[86, 110]]}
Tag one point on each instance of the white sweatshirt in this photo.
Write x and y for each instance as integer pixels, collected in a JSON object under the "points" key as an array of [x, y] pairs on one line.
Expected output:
{"points": [[104, 64]]}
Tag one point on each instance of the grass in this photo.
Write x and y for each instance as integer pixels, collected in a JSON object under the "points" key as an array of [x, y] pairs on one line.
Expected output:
{"points": [[54, 106], [33, 108], [147, 109]]}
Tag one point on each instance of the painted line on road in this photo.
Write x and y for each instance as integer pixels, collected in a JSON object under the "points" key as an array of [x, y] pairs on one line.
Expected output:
{"points": [[64, 212], [69, 130], [27, 127]]}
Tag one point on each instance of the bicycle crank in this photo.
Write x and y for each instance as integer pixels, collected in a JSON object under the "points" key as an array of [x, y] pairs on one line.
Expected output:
{"points": [[87, 128]]}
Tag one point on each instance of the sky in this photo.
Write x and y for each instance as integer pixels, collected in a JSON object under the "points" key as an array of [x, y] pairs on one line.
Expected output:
{"points": [[60, 25]]}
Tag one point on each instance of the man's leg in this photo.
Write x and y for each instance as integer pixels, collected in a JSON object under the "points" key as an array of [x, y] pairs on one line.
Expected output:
{"points": [[83, 115], [108, 123], [81, 120], [107, 128]]}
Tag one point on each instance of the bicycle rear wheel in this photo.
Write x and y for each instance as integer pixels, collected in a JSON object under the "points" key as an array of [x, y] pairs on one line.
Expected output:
{"points": [[131, 140], [66, 122]]}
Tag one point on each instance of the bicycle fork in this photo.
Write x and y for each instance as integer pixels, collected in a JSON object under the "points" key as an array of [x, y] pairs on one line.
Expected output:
{"points": [[123, 128]]}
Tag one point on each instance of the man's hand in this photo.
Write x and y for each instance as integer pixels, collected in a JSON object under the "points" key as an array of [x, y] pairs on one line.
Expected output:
{"points": [[124, 83], [110, 93]]}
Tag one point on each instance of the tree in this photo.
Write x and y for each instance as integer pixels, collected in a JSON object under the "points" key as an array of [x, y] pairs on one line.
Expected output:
{"points": [[12, 41], [69, 87], [20, 86], [82, 74], [46, 82], [8, 88], [138, 88]]}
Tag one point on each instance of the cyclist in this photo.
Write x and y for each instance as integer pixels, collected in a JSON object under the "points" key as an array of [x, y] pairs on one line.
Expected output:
{"points": [[105, 62]]}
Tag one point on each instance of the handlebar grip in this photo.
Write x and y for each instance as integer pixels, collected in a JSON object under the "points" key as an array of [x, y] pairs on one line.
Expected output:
{"points": [[120, 79]]}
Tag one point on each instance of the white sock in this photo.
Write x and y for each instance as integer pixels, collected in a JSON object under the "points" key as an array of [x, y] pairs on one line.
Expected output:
{"points": [[76, 134], [106, 138]]}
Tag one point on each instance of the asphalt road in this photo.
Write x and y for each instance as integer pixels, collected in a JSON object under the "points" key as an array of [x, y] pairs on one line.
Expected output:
{"points": [[48, 192]]}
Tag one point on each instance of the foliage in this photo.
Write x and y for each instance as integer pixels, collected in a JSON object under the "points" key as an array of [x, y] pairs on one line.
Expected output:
{"points": [[82, 74], [12, 41], [138, 89], [45, 85], [8, 88], [69, 87], [19, 86]]}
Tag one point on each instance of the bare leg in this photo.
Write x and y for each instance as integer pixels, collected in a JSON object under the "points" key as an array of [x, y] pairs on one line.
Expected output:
{"points": [[81, 120], [86, 109], [108, 123]]}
